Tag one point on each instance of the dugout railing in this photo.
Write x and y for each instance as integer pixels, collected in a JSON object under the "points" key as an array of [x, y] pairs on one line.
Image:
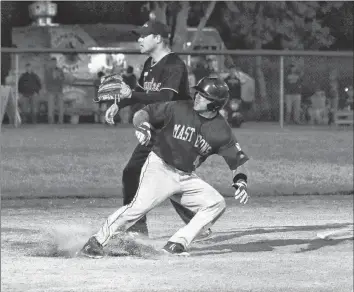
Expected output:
{"points": [[317, 69]]}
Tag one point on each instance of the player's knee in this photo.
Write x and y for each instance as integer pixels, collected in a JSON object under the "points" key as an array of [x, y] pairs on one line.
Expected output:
{"points": [[221, 205], [220, 208]]}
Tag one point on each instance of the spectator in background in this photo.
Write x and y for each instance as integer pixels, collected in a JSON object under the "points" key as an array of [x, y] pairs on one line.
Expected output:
{"points": [[235, 104], [97, 81], [212, 67], [318, 109], [233, 80], [54, 81], [333, 95], [99, 108], [231, 112], [191, 77], [293, 90], [10, 79], [130, 79], [29, 86], [349, 98], [201, 70]]}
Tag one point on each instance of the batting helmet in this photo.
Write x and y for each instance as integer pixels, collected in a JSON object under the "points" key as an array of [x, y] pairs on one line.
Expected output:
{"points": [[215, 90]]}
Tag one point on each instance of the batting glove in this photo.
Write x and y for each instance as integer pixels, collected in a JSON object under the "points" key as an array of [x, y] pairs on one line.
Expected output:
{"points": [[110, 113], [241, 191], [143, 133]]}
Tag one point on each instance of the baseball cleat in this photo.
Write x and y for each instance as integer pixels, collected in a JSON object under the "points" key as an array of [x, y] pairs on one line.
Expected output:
{"points": [[92, 249], [325, 236], [204, 235], [340, 234], [175, 248]]}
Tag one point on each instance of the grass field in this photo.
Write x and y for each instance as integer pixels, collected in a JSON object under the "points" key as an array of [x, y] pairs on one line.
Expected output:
{"points": [[88, 160], [60, 182]]}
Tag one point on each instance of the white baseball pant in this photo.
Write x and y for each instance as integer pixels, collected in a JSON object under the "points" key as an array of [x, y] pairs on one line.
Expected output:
{"points": [[159, 181]]}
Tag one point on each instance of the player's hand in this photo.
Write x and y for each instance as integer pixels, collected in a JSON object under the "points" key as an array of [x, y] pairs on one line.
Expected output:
{"points": [[110, 113], [241, 191], [143, 133], [113, 87]]}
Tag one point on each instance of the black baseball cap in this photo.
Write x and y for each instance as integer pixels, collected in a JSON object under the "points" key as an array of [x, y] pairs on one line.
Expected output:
{"points": [[153, 27]]}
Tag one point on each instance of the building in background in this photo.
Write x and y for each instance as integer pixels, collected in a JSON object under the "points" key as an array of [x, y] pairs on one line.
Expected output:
{"points": [[81, 69]]}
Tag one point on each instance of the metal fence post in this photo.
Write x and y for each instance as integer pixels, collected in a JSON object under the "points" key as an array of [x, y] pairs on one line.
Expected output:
{"points": [[281, 92], [16, 122]]}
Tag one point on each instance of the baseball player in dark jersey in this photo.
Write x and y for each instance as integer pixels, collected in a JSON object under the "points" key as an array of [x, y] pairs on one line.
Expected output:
{"points": [[164, 78], [187, 132]]}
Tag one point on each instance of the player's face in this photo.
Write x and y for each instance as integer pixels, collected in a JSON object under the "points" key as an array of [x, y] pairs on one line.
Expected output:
{"points": [[200, 103], [147, 44]]}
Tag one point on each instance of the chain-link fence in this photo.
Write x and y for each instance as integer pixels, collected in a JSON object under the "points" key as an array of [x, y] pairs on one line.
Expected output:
{"points": [[282, 86], [324, 85]]}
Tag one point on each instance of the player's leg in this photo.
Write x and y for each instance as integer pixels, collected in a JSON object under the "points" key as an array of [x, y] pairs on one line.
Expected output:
{"points": [[151, 192], [130, 181], [33, 99], [24, 108], [202, 199], [186, 215], [50, 107], [60, 99]]}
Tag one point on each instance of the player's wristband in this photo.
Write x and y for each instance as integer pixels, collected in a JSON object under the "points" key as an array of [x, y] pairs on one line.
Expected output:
{"points": [[240, 176], [148, 125]]}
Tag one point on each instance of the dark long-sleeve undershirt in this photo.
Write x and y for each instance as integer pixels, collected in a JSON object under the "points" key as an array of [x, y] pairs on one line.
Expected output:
{"points": [[147, 98]]}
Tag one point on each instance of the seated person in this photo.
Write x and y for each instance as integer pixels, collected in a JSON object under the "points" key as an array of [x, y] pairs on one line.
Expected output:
{"points": [[318, 109], [232, 112], [349, 98]]}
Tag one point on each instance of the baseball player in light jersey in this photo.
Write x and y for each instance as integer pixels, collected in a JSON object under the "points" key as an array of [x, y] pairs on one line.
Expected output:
{"points": [[163, 78], [187, 132]]}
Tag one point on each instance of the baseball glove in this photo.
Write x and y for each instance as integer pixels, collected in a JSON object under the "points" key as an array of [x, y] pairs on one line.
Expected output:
{"points": [[113, 87]]}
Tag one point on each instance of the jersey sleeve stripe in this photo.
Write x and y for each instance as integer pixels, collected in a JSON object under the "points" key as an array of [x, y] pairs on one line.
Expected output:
{"points": [[164, 88]]}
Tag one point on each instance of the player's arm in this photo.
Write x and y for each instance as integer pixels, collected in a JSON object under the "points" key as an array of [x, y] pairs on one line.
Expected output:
{"points": [[156, 114], [151, 117], [151, 97], [172, 78], [147, 98], [237, 162], [240, 177]]}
